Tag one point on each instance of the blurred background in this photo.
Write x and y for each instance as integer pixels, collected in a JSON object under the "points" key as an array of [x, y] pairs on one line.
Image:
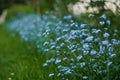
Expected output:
{"points": [[61, 7], [78, 8]]}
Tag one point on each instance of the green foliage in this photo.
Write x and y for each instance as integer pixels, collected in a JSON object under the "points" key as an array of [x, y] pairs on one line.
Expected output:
{"points": [[113, 17], [46, 5], [97, 3], [75, 50], [16, 10], [64, 42], [61, 7], [19, 60]]}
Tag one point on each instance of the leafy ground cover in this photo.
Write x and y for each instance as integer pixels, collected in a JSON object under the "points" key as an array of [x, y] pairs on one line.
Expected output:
{"points": [[47, 48], [74, 51]]}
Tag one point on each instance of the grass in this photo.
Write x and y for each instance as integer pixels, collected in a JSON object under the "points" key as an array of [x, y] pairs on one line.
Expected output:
{"points": [[17, 61]]}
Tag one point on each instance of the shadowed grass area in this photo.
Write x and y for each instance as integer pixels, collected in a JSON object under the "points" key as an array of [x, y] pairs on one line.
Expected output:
{"points": [[17, 61]]}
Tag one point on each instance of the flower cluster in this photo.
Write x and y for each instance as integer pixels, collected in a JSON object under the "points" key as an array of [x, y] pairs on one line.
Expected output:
{"points": [[78, 49]]}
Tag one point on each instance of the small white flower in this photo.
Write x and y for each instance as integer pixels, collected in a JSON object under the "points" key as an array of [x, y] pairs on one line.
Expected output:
{"points": [[105, 42], [109, 63], [85, 52], [93, 52], [106, 35], [59, 74], [96, 31], [67, 17], [85, 46], [58, 39], [103, 16], [83, 25], [108, 22], [45, 43], [46, 50], [73, 50], [91, 15], [79, 58], [89, 38], [112, 55], [62, 44], [52, 47], [74, 32], [58, 47], [59, 66], [73, 66], [65, 58], [45, 64], [85, 77], [105, 29], [102, 49], [52, 59], [110, 49], [72, 24], [48, 61], [82, 64], [102, 23], [114, 41], [57, 61], [65, 30], [51, 74], [71, 59], [68, 71]]}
